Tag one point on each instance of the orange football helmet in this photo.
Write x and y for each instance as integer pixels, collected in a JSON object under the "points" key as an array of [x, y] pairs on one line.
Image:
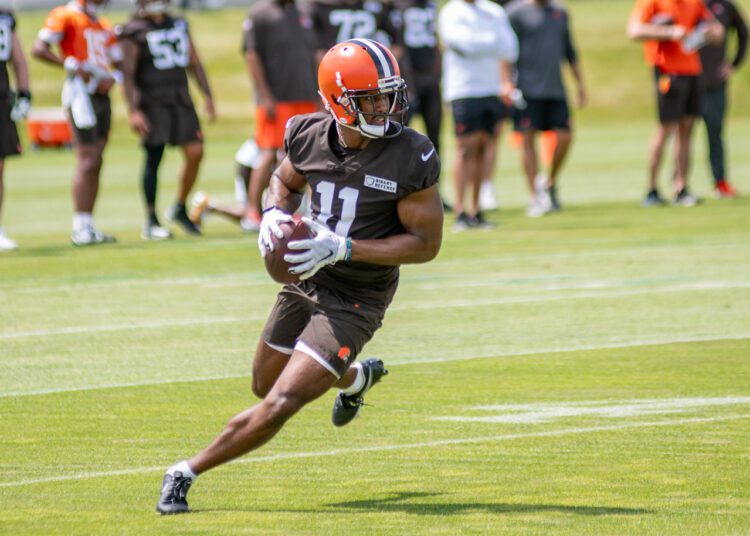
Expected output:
{"points": [[363, 69]]}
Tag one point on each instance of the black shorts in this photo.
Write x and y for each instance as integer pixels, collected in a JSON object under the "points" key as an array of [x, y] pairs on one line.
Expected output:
{"points": [[9, 144], [543, 114], [172, 125], [172, 117], [480, 113], [103, 111], [320, 322], [677, 96]]}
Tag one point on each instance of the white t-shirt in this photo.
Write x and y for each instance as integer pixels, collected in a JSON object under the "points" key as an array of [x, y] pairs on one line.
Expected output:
{"points": [[475, 37]]}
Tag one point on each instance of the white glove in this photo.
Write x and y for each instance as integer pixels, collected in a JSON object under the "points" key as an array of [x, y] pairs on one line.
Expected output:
{"points": [[71, 65], [22, 106], [325, 248], [272, 217]]}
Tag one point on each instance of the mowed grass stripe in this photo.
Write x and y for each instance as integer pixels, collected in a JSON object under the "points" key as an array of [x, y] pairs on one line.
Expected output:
{"points": [[403, 446], [430, 305], [397, 362]]}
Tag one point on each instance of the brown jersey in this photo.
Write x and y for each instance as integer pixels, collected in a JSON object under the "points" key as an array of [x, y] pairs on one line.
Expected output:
{"points": [[7, 27], [163, 52], [335, 22], [357, 196]]}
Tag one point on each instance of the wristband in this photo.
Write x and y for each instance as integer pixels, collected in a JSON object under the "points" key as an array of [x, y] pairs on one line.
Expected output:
{"points": [[272, 207], [348, 254]]}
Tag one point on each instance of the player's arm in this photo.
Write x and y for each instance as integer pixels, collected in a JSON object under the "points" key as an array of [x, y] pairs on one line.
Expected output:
{"points": [[286, 188], [127, 65], [42, 50], [20, 67], [260, 82], [283, 197], [195, 68], [421, 214], [575, 67]]}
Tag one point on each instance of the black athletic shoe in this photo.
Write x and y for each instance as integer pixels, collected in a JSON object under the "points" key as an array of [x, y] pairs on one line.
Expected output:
{"points": [[346, 407], [174, 490], [653, 199], [177, 214], [555, 205], [480, 222]]}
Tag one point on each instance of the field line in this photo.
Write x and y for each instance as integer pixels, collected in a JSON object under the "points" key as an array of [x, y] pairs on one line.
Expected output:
{"points": [[397, 362], [386, 448], [512, 300]]}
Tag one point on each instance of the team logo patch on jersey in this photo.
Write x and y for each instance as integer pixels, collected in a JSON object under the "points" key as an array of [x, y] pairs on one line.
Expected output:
{"points": [[377, 183]]}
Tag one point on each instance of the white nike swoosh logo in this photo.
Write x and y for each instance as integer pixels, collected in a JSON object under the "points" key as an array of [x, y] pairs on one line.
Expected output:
{"points": [[427, 156]]}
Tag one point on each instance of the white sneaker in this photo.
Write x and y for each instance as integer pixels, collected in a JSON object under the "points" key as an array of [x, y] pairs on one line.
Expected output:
{"points": [[155, 232], [487, 198], [6, 244], [89, 236], [539, 206], [198, 207]]}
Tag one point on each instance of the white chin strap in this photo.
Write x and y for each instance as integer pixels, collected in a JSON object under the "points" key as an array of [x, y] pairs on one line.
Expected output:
{"points": [[372, 131]]}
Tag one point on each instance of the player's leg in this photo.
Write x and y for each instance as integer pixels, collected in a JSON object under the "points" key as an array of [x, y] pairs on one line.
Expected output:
{"points": [[682, 160], [713, 108], [152, 229], [6, 244], [302, 381]]}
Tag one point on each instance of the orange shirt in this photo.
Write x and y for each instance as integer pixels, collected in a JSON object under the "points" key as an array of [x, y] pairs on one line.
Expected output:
{"points": [[80, 36], [669, 56]]}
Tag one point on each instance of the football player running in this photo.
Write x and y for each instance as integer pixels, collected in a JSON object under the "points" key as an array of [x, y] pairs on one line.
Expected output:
{"points": [[88, 52], [10, 112], [374, 206], [158, 54]]}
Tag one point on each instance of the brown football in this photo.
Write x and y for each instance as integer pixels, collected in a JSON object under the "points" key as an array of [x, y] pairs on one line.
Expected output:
{"points": [[276, 266]]}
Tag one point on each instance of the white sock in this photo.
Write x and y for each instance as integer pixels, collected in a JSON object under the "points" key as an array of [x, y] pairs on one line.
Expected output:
{"points": [[183, 468], [81, 220], [359, 380]]}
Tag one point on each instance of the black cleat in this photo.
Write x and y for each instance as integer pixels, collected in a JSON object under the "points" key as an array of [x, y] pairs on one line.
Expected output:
{"points": [[177, 214], [174, 490], [346, 407]]}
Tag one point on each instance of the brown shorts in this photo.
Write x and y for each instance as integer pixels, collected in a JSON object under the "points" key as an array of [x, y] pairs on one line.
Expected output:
{"points": [[173, 119], [100, 131], [9, 144], [321, 323]]}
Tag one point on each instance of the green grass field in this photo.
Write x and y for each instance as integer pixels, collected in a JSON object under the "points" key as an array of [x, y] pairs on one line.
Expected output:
{"points": [[583, 373]]}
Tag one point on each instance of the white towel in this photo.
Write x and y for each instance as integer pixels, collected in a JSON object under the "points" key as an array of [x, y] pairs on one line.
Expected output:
{"points": [[76, 97]]}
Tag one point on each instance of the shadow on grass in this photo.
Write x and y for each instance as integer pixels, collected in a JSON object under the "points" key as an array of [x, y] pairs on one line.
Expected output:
{"points": [[398, 503]]}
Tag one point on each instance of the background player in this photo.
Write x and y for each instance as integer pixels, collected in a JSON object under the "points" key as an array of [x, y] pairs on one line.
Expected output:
{"points": [[88, 51], [11, 51], [158, 54]]}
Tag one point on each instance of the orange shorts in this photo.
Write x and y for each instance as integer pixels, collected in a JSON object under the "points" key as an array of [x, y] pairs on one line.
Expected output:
{"points": [[269, 133]]}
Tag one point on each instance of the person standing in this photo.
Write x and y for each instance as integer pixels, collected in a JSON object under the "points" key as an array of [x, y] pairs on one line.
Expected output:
{"points": [[479, 49], [278, 48], [717, 72], [375, 205], [88, 52], [545, 42], [10, 112], [664, 25], [158, 54]]}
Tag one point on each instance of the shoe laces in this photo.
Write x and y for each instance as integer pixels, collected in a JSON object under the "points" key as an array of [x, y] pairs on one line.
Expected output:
{"points": [[179, 488]]}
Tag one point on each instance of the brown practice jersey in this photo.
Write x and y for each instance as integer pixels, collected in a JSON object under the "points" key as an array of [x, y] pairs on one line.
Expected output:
{"points": [[358, 196], [338, 21], [7, 27], [164, 52]]}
